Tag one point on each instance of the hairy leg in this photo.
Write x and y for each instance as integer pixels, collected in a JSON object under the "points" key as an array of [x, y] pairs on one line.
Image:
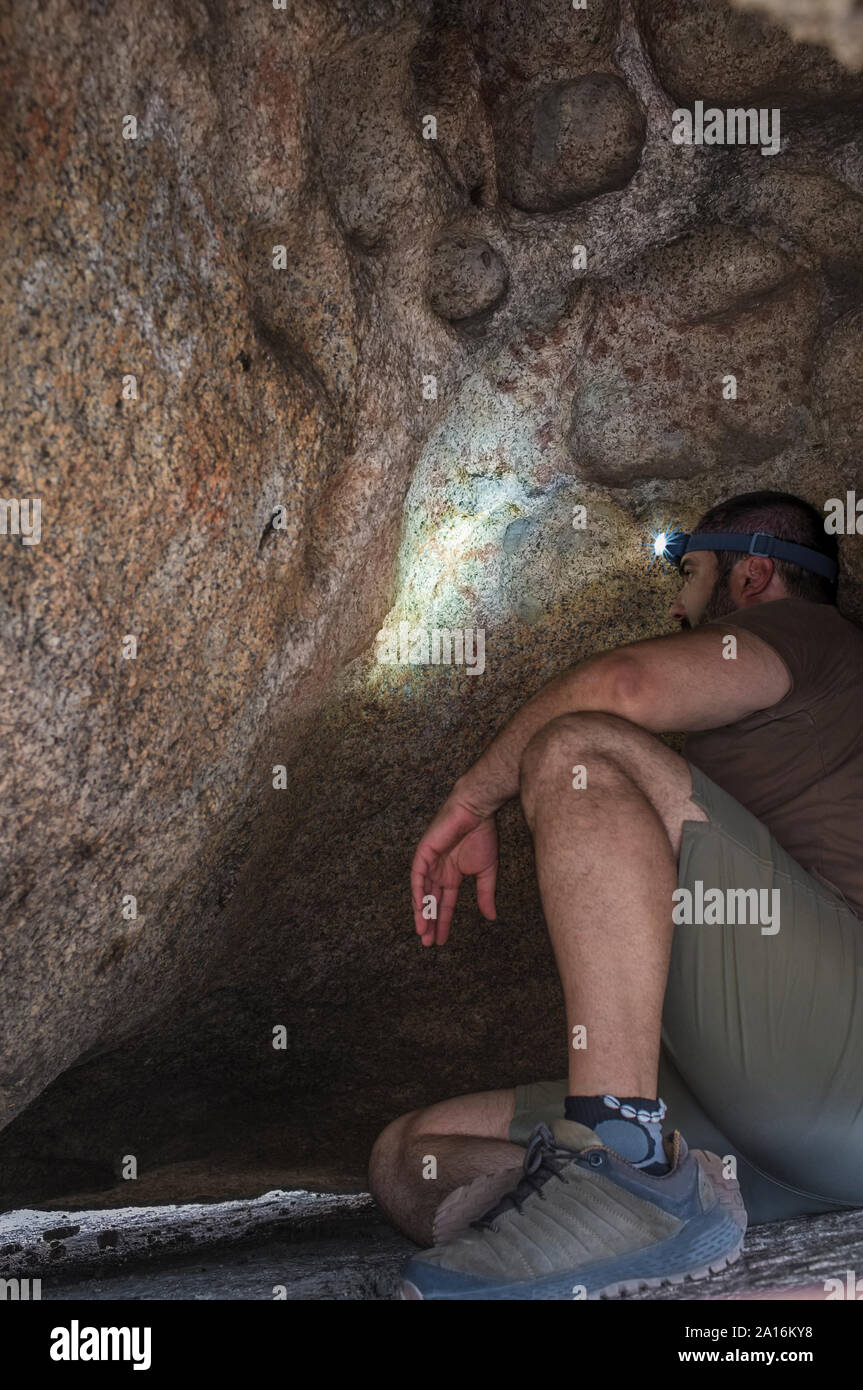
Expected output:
{"points": [[606, 857], [467, 1139]]}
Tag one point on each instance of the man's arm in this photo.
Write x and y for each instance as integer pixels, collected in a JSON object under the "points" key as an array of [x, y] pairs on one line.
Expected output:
{"points": [[669, 684], [678, 683]]}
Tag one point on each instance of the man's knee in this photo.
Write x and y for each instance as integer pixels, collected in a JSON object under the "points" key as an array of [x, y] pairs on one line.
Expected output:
{"points": [[592, 730], [477, 1115], [388, 1150], [589, 738]]}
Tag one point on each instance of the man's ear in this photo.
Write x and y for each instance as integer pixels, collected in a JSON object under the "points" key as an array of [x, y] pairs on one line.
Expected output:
{"points": [[759, 572]]}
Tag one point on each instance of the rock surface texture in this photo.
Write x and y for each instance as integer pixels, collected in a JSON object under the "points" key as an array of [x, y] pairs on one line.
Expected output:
{"points": [[321, 320], [301, 1246]]}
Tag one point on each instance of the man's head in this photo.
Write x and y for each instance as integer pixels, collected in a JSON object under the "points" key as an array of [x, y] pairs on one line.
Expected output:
{"points": [[717, 582]]}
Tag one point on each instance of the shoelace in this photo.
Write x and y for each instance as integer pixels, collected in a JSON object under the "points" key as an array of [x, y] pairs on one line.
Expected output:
{"points": [[544, 1159]]}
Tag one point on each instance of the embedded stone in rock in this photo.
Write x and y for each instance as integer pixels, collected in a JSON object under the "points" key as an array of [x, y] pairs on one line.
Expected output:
{"points": [[813, 211], [466, 277], [446, 83], [569, 141], [520, 42], [711, 53], [379, 184], [654, 394], [713, 271]]}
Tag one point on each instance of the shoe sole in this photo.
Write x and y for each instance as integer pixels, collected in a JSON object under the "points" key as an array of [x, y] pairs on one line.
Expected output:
{"points": [[729, 1221]]}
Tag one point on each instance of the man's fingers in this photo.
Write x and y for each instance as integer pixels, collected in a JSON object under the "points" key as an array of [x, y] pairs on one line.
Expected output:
{"points": [[486, 883], [445, 910], [426, 918], [424, 885], [421, 887]]}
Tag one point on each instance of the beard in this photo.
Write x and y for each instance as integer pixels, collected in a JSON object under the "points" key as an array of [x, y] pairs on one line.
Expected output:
{"points": [[720, 603]]}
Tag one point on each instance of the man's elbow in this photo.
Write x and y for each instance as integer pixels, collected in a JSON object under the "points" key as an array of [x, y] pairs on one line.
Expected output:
{"points": [[626, 689]]}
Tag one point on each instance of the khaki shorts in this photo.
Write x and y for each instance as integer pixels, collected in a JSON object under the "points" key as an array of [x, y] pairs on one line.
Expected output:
{"points": [[762, 1031]]}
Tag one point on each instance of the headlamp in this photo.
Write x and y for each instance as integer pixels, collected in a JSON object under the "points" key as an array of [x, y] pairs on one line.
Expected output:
{"points": [[674, 545], [670, 545]]}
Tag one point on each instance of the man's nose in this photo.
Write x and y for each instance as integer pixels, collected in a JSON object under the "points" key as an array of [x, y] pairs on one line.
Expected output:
{"points": [[677, 612]]}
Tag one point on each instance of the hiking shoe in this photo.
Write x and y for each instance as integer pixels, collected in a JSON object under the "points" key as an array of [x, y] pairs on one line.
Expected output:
{"points": [[584, 1223]]}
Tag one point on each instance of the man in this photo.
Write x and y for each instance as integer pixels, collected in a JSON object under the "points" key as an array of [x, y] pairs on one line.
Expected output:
{"points": [[740, 1024]]}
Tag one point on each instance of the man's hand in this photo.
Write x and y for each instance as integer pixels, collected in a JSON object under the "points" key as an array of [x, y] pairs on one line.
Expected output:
{"points": [[460, 841]]}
